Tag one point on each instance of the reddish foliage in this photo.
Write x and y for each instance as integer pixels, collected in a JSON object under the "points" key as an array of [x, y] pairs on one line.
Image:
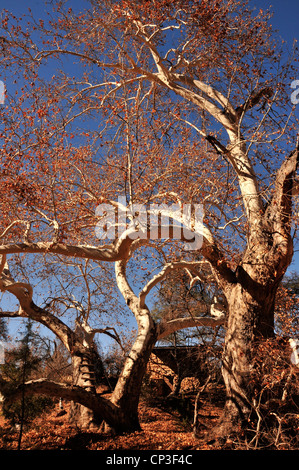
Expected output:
{"points": [[162, 429]]}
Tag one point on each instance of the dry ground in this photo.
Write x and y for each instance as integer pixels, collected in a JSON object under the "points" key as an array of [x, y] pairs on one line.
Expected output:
{"points": [[164, 427]]}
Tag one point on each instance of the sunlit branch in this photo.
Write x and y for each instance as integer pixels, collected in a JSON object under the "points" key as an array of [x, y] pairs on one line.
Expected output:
{"points": [[162, 274], [171, 326]]}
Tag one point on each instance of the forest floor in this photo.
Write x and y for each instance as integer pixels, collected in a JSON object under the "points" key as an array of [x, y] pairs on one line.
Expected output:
{"points": [[166, 425]]}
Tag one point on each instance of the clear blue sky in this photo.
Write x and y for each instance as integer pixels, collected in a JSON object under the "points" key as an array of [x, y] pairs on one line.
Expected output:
{"points": [[285, 17]]}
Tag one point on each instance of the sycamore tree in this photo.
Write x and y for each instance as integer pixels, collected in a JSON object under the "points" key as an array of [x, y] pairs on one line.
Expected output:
{"points": [[155, 103], [54, 177]]}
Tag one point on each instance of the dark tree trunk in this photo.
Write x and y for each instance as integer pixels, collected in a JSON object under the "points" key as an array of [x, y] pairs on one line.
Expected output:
{"points": [[126, 394], [84, 376], [250, 320], [251, 304]]}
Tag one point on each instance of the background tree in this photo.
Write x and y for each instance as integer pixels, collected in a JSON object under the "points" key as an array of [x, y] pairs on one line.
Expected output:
{"points": [[21, 364], [121, 411], [76, 336], [57, 367], [3, 329]]}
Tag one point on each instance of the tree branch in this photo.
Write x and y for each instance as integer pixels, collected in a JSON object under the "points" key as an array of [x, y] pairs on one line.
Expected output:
{"points": [[279, 212], [101, 406], [24, 293], [165, 329], [162, 274], [254, 99], [112, 252]]}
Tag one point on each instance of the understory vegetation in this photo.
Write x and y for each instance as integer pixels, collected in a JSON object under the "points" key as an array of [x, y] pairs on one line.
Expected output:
{"points": [[170, 421]]}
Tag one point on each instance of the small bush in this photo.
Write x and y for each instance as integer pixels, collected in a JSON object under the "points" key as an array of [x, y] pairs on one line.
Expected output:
{"points": [[33, 407]]}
